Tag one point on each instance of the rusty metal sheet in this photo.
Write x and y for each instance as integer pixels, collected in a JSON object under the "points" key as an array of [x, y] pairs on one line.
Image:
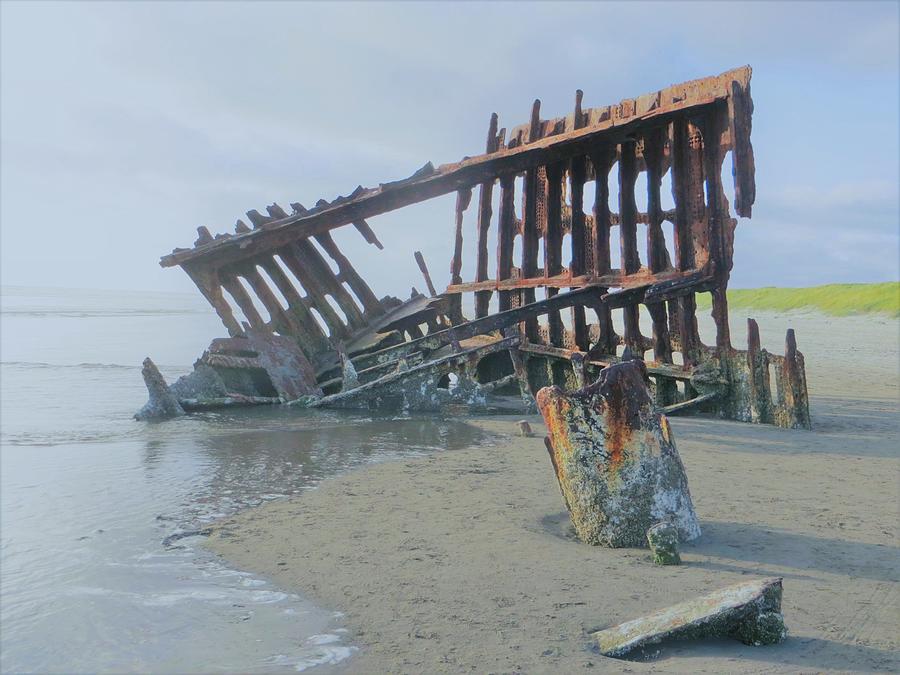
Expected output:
{"points": [[291, 373]]}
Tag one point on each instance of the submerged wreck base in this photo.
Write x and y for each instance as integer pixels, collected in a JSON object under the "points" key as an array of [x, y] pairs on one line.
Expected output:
{"points": [[162, 403], [254, 368], [749, 611], [615, 458]]}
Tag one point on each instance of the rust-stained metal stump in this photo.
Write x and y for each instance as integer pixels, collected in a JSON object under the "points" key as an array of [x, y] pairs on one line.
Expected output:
{"points": [[615, 459]]}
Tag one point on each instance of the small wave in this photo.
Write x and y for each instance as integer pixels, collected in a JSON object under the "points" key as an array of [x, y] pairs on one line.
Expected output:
{"points": [[324, 655], [313, 654], [91, 313], [51, 439], [83, 366], [324, 639]]}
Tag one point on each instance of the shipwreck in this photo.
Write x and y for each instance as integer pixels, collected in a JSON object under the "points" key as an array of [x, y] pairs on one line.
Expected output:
{"points": [[425, 353]]}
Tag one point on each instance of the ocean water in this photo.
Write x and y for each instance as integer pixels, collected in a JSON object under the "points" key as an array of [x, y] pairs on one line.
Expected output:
{"points": [[95, 573]]}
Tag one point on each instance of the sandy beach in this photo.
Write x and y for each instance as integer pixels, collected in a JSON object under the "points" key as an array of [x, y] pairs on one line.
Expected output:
{"points": [[466, 561]]}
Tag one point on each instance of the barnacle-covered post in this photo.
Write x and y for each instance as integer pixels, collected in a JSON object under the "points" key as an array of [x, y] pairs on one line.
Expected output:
{"points": [[615, 459]]}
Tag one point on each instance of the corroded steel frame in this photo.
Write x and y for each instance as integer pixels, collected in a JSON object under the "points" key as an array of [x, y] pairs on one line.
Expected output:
{"points": [[682, 133]]}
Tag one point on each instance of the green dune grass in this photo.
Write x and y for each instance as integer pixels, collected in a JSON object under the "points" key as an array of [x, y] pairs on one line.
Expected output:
{"points": [[835, 299]]}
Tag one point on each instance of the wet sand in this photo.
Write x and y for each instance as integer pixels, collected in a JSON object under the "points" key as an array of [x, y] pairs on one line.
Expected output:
{"points": [[466, 560]]}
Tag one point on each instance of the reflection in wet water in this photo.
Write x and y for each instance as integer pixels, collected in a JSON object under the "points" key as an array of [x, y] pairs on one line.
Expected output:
{"points": [[83, 528]]}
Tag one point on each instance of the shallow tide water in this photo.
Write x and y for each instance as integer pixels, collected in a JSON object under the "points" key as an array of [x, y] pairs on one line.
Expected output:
{"points": [[91, 577]]}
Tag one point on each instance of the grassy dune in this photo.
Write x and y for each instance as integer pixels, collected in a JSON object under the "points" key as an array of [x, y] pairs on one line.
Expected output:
{"points": [[835, 299]]}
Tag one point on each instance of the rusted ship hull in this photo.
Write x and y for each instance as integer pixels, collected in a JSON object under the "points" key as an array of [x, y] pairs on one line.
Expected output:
{"points": [[516, 341]]}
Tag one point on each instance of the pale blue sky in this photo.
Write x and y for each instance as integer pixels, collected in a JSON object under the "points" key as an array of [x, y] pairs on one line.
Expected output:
{"points": [[125, 125]]}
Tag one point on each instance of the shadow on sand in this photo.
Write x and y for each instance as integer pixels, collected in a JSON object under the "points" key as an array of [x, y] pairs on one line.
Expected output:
{"points": [[780, 548], [864, 428], [803, 653]]}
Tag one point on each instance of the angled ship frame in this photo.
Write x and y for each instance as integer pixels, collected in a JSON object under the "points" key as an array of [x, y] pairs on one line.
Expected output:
{"points": [[546, 316]]}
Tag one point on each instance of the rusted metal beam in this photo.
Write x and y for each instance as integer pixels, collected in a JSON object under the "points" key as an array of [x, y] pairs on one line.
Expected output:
{"points": [[211, 289], [484, 325], [368, 234], [631, 262], [348, 273], [655, 368], [533, 212], [485, 211], [242, 298], [506, 233], [740, 121], [309, 334], [553, 240], [657, 255], [435, 366], [582, 261], [688, 127], [690, 222], [296, 262], [602, 158], [463, 198], [663, 106], [793, 408], [721, 225], [281, 321], [420, 261]]}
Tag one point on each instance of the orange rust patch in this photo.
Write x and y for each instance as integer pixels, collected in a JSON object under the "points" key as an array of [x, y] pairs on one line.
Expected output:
{"points": [[618, 434], [664, 427], [555, 414]]}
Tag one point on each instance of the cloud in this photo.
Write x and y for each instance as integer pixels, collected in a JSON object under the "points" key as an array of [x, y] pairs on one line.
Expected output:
{"points": [[123, 126]]}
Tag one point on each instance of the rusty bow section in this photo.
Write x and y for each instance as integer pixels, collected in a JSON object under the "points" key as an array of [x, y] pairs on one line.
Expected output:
{"points": [[581, 214]]}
